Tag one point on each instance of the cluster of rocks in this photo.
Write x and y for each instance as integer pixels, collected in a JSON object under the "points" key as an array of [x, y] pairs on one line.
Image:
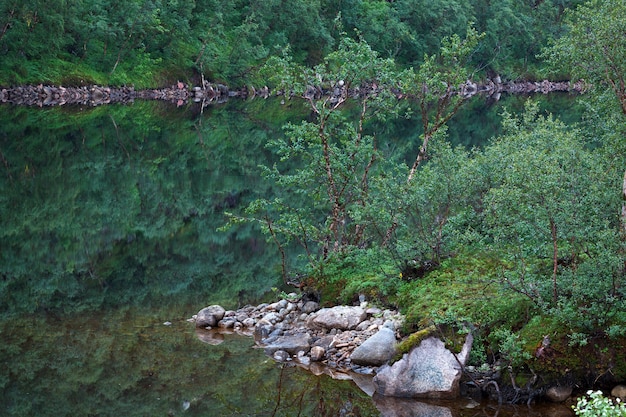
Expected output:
{"points": [[46, 95], [219, 93], [347, 342], [94, 95], [494, 88], [177, 93], [210, 93], [302, 332]]}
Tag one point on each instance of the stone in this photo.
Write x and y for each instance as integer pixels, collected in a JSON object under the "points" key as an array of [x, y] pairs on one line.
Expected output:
{"points": [[429, 370], [376, 350], [262, 330], [310, 307], [281, 356], [619, 391], [272, 317], [558, 393], [290, 344], [341, 317], [210, 316], [317, 353], [226, 323]]}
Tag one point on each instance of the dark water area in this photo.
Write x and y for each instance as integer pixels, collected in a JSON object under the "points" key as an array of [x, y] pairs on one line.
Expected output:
{"points": [[109, 222]]}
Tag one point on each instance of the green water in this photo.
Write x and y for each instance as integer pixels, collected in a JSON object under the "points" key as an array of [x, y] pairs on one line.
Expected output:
{"points": [[108, 221]]}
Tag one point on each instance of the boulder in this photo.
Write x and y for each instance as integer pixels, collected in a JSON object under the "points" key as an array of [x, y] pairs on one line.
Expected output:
{"points": [[558, 393], [376, 350], [619, 391], [429, 370], [317, 353], [290, 344], [309, 307], [210, 316], [341, 317], [262, 330]]}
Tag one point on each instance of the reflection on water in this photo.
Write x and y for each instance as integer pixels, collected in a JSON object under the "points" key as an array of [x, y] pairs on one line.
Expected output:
{"points": [[150, 362], [108, 223]]}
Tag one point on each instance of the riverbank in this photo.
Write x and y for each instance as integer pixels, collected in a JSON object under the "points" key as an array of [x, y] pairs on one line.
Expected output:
{"points": [[337, 342]]}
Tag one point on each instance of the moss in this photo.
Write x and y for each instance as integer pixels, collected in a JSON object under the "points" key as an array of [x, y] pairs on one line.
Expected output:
{"points": [[415, 339]]}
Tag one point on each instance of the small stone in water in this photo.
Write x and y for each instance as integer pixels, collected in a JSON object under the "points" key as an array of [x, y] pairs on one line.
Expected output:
{"points": [[186, 405], [167, 323]]}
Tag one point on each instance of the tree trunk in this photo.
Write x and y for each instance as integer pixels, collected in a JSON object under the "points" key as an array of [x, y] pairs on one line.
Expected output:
{"points": [[555, 259]]}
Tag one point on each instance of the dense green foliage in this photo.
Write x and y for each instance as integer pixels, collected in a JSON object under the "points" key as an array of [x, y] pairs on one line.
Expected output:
{"points": [[538, 206], [151, 42]]}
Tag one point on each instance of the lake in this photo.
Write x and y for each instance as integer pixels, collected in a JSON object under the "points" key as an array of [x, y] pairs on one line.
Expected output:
{"points": [[109, 243]]}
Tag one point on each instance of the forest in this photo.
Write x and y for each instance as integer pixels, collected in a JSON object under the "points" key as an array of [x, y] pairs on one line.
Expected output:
{"points": [[522, 239], [148, 43]]}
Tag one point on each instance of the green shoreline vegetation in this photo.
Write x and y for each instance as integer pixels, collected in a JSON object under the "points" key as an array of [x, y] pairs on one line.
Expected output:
{"points": [[521, 240]]}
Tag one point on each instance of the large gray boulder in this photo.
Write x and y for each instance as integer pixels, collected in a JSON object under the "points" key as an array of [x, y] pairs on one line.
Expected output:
{"points": [[290, 344], [340, 317], [210, 316], [377, 350], [429, 370]]}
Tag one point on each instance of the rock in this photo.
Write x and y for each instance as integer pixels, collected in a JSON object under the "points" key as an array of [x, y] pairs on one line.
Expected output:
{"points": [[262, 330], [227, 323], [210, 316], [558, 393], [317, 353], [342, 317], [271, 317], [376, 350], [290, 344], [249, 322], [281, 356], [310, 307], [619, 391], [430, 370]]}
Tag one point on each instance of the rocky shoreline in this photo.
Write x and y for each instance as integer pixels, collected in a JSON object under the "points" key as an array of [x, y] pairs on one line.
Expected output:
{"points": [[214, 93], [346, 342], [360, 343]]}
